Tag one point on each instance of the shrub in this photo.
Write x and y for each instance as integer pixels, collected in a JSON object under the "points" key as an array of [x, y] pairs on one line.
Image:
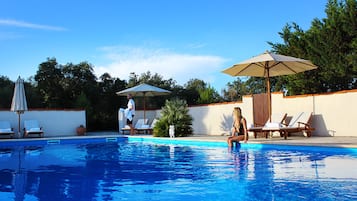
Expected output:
{"points": [[175, 112]]}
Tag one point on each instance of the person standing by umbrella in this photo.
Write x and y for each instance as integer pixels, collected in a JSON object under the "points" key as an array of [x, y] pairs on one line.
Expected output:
{"points": [[144, 90], [130, 113]]}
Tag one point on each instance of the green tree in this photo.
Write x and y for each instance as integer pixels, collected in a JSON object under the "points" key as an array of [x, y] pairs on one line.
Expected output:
{"points": [[235, 90], [49, 78], [6, 92], [330, 43], [82, 91], [197, 91], [191, 91], [257, 85], [133, 80], [79, 79], [208, 95], [33, 96], [106, 109]]}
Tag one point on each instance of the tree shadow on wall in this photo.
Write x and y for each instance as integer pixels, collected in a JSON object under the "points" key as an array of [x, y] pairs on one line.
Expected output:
{"points": [[226, 124]]}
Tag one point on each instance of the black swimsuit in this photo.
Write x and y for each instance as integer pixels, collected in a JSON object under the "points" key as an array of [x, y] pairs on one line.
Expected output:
{"points": [[241, 130]]}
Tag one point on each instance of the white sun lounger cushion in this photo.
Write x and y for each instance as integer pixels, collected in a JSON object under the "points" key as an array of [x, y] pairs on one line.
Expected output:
{"points": [[145, 126], [32, 126], [34, 130], [272, 125], [5, 130], [5, 125]]}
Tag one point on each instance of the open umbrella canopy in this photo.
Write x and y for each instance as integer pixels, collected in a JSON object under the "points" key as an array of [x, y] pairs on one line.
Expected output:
{"points": [[269, 65], [144, 90], [19, 103]]}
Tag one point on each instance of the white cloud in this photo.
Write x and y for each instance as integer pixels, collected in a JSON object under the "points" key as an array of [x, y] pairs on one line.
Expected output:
{"points": [[17, 23], [169, 64]]}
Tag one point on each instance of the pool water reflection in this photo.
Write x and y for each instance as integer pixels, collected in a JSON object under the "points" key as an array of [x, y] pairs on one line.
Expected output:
{"points": [[150, 171]]}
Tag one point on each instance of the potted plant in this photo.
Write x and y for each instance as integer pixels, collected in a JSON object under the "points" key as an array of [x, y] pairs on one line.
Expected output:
{"points": [[175, 112], [81, 130]]}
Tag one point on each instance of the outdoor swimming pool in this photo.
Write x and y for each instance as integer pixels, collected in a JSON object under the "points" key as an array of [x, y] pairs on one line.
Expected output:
{"points": [[137, 169]]}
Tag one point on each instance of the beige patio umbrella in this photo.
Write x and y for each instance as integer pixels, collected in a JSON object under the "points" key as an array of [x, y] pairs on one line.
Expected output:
{"points": [[269, 65], [144, 90], [19, 103]]}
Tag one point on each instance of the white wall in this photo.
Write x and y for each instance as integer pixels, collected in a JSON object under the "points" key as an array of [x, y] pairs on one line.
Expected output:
{"points": [[334, 114], [216, 119], [53, 122]]}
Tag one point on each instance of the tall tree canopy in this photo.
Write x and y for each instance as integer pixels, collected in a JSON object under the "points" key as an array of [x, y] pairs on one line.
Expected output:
{"points": [[6, 91], [330, 43], [49, 78], [199, 92]]}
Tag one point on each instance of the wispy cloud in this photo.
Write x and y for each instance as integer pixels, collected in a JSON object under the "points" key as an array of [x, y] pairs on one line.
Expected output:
{"points": [[181, 67], [196, 45], [16, 23]]}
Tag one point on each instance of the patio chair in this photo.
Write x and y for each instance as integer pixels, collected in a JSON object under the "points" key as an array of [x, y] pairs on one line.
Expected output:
{"points": [[32, 127], [139, 124], [276, 119], [299, 123], [147, 128], [5, 129]]}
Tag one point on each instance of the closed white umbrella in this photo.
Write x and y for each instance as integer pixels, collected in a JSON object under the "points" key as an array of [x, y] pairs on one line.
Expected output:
{"points": [[19, 103], [144, 90]]}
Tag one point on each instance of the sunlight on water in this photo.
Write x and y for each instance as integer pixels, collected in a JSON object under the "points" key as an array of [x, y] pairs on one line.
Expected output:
{"points": [[148, 171]]}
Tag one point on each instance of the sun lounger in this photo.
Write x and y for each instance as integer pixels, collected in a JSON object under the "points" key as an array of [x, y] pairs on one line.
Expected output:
{"points": [[5, 129], [299, 123], [32, 127], [139, 124], [276, 118], [147, 128]]}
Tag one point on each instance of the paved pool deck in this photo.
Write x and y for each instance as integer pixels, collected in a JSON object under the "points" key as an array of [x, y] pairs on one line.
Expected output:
{"points": [[347, 142]]}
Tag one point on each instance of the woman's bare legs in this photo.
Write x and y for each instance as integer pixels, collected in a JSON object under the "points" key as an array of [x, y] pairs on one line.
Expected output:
{"points": [[232, 139]]}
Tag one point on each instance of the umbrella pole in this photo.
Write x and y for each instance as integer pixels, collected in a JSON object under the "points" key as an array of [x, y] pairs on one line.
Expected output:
{"points": [[268, 91], [269, 99], [144, 107]]}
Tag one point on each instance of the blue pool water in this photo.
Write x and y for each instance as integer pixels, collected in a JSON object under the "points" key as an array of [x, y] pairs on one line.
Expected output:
{"points": [[135, 169]]}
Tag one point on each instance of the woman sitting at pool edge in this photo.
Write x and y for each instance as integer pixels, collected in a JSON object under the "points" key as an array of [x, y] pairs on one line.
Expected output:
{"points": [[239, 130]]}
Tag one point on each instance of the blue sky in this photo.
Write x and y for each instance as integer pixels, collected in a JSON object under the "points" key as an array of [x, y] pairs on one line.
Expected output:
{"points": [[178, 39]]}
